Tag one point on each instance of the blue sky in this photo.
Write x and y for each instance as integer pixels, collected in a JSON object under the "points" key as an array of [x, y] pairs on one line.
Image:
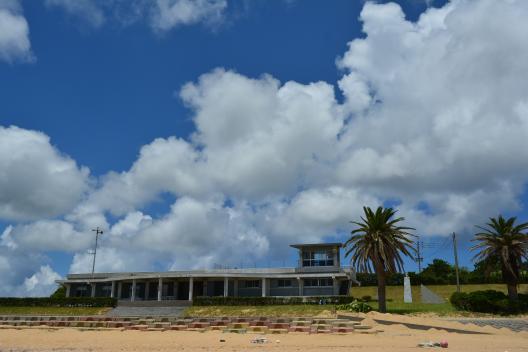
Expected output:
{"points": [[137, 105]]}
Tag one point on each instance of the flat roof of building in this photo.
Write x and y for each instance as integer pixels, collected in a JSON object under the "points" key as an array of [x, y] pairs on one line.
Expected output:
{"points": [[303, 245], [213, 273]]}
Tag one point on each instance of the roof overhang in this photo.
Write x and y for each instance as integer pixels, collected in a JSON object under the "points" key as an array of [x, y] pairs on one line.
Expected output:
{"points": [[304, 245]]}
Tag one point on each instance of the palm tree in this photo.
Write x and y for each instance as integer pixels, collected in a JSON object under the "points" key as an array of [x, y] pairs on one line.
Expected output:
{"points": [[378, 243], [502, 241]]}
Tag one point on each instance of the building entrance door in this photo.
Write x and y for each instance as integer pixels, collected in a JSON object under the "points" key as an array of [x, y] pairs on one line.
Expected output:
{"points": [[198, 289], [183, 290]]}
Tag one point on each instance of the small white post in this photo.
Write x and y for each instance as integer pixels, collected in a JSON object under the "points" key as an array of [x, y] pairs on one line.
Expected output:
{"points": [[68, 288], [160, 288], [133, 295], [112, 289], [93, 289], [407, 292], [191, 284]]}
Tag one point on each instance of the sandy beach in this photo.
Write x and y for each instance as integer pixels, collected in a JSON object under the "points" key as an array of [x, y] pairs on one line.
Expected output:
{"points": [[392, 337]]}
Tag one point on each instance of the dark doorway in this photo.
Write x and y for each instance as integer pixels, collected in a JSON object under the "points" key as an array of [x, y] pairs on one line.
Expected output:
{"points": [[183, 290], [218, 288], [198, 289], [343, 288]]}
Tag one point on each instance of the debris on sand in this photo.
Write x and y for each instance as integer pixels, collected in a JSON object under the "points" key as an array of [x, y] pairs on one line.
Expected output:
{"points": [[429, 344], [260, 339]]}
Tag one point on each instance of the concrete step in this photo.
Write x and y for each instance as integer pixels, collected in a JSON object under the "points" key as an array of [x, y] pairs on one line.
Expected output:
{"points": [[235, 330], [300, 329], [261, 329], [278, 331]]}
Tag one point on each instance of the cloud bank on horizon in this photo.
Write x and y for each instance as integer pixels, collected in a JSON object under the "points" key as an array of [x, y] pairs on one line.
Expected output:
{"points": [[434, 116]]}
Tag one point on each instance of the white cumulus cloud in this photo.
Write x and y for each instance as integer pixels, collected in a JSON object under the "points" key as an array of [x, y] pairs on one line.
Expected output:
{"points": [[169, 14], [36, 180], [434, 118], [14, 33]]}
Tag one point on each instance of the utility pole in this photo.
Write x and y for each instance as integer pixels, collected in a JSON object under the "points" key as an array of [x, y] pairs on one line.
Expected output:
{"points": [[419, 258], [97, 233], [456, 262]]}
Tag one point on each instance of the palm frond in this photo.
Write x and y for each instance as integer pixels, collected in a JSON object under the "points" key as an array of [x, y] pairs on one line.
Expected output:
{"points": [[378, 241]]}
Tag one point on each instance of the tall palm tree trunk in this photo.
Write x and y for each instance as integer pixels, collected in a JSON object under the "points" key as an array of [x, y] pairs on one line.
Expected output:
{"points": [[380, 273], [511, 281], [512, 292]]}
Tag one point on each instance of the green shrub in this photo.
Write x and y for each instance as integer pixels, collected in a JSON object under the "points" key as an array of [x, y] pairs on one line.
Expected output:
{"points": [[488, 301], [263, 301], [358, 307], [366, 298], [57, 302], [459, 300]]}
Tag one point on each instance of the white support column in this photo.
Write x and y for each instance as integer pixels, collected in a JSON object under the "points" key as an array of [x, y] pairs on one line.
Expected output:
{"points": [[226, 286], [68, 289], [93, 289], [191, 284], [160, 288], [263, 287], [133, 294], [336, 286], [301, 288], [235, 288], [119, 290], [112, 290]]}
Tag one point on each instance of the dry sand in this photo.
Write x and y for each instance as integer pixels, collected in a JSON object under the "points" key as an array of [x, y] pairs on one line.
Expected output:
{"points": [[393, 338]]}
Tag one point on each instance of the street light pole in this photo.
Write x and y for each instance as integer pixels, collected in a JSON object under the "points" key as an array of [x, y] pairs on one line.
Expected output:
{"points": [[97, 233], [456, 262]]}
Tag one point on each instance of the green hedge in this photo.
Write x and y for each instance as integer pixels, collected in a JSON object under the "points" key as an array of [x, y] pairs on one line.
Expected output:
{"points": [[264, 301], [357, 306], [488, 301], [57, 302]]}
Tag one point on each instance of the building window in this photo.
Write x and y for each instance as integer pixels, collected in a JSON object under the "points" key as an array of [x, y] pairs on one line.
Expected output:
{"points": [[325, 282], [81, 291], [318, 258], [251, 283], [284, 283]]}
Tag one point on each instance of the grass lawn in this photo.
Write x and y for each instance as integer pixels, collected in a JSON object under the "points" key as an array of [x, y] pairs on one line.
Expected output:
{"points": [[323, 311], [394, 293], [52, 311]]}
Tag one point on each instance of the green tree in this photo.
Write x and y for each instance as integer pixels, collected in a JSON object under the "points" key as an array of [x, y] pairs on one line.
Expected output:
{"points": [[502, 241], [377, 244], [438, 272], [60, 292]]}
